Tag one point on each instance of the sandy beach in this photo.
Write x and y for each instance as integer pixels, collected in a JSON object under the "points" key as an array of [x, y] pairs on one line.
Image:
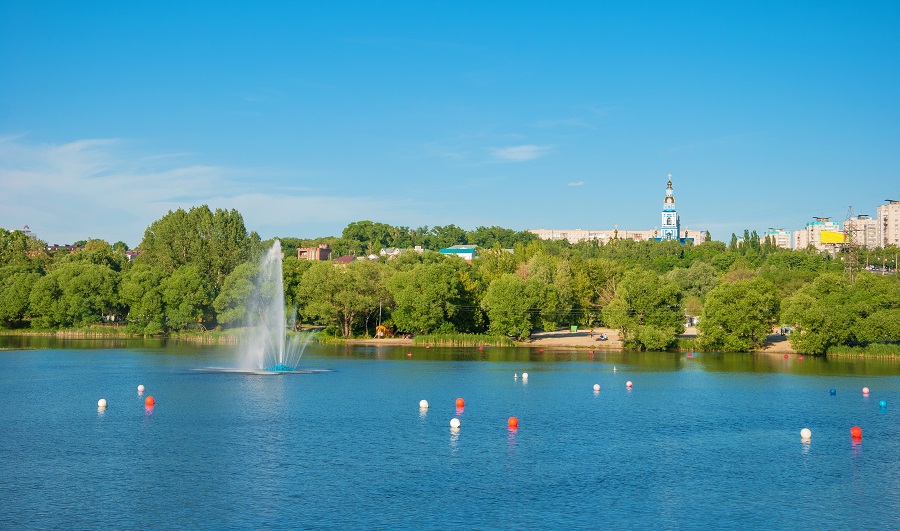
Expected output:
{"points": [[565, 338]]}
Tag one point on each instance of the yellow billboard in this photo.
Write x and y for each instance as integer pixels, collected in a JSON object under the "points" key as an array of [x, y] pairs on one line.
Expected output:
{"points": [[829, 236]]}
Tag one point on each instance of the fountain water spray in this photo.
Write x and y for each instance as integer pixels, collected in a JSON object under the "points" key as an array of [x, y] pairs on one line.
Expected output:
{"points": [[265, 344]]}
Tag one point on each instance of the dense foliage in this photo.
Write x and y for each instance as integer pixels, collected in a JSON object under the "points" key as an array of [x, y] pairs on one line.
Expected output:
{"points": [[195, 269]]}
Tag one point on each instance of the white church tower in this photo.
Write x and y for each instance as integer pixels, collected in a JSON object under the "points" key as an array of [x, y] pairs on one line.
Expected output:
{"points": [[670, 229]]}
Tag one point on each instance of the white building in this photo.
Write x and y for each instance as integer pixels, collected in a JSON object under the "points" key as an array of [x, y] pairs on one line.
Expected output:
{"points": [[888, 218], [812, 234], [864, 231], [780, 237], [670, 229]]}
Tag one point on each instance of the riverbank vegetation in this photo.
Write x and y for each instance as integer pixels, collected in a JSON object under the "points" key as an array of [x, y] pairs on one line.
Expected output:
{"points": [[194, 270]]}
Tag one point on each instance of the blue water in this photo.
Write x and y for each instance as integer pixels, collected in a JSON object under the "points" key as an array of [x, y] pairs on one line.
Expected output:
{"points": [[708, 442]]}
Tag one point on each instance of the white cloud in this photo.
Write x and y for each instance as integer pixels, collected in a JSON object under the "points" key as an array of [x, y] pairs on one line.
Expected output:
{"points": [[521, 153], [95, 189], [576, 183]]}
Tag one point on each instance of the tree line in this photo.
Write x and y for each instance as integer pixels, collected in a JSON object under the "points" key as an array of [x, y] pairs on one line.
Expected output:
{"points": [[196, 269]]}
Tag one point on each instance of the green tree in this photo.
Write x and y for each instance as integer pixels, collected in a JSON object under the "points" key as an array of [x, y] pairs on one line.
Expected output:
{"points": [[338, 294], [510, 305], [737, 316], [231, 304], [16, 283], [140, 291], [17, 248], [426, 298], [646, 310], [818, 314], [187, 297], [74, 294], [594, 285], [213, 242]]}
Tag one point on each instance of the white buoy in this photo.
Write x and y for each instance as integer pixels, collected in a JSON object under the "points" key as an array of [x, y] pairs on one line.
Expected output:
{"points": [[423, 404], [865, 390], [101, 403], [628, 384], [596, 387], [516, 375], [805, 433], [141, 388], [524, 375], [614, 368], [454, 422]]}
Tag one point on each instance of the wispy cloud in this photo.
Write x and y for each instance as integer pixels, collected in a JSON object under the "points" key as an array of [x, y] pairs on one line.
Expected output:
{"points": [[576, 183], [521, 153], [96, 189]]}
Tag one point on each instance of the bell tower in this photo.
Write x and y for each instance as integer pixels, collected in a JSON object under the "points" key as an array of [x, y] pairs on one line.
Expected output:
{"points": [[670, 227]]}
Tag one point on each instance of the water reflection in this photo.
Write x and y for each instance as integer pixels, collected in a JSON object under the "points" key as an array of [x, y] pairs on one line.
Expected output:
{"points": [[641, 361], [454, 439]]}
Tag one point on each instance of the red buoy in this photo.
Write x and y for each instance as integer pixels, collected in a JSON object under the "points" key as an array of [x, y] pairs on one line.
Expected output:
{"points": [[149, 401], [785, 356], [460, 402], [856, 432], [513, 422]]}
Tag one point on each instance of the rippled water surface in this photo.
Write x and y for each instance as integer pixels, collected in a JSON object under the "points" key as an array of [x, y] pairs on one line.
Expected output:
{"points": [[704, 441]]}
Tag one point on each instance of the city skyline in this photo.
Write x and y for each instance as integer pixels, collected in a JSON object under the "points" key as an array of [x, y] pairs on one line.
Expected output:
{"points": [[306, 118]]}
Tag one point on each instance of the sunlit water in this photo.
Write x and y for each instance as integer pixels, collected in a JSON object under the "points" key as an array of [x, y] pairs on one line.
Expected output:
{"points": [[705, 442]]}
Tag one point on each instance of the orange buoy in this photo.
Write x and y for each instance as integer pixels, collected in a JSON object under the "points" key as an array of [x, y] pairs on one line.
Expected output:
{"points": [[460, 402], [590, 352], [150, 401], [513, 422], [800, 358], [856, 432], [480, 348]]}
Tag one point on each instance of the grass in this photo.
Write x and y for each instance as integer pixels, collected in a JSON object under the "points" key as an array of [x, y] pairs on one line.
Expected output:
{"points": [[463, 340], [687, 344], [875, 350]]}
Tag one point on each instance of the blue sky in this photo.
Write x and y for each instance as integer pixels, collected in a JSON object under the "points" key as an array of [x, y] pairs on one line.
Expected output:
{"points": [[306, 116]]}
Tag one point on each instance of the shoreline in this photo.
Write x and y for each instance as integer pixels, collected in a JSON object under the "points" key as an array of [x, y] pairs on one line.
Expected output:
{"points": [[557, 339], [580, 340]]}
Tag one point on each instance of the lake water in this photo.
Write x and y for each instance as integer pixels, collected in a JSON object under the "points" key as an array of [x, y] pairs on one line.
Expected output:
{"points": [[706, 441]]}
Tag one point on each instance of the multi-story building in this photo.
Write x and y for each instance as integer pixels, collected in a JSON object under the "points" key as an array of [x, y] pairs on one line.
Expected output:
{"points": [[863, 230], [322, 252], [670, 229], [780, 237], [812, 234], [888, 218]]}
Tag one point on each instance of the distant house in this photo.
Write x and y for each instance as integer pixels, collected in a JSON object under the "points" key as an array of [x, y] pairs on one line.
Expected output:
{"points": [[70, 248], [343, 260], [466, 252], [322, 252], [393, 252]]}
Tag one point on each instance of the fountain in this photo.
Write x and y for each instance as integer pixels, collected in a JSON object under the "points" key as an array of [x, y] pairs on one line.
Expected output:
{"points": [[265, 345]]}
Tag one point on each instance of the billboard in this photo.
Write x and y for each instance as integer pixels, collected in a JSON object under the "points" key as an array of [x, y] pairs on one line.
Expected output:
{"points": [[828, 236]]}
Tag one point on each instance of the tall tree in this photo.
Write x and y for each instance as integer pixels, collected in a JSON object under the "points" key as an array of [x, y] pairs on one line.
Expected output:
{"points": [[74, 294], [16, 283], [737, 316], [141, 292], [647, 310], [426, 298]]}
